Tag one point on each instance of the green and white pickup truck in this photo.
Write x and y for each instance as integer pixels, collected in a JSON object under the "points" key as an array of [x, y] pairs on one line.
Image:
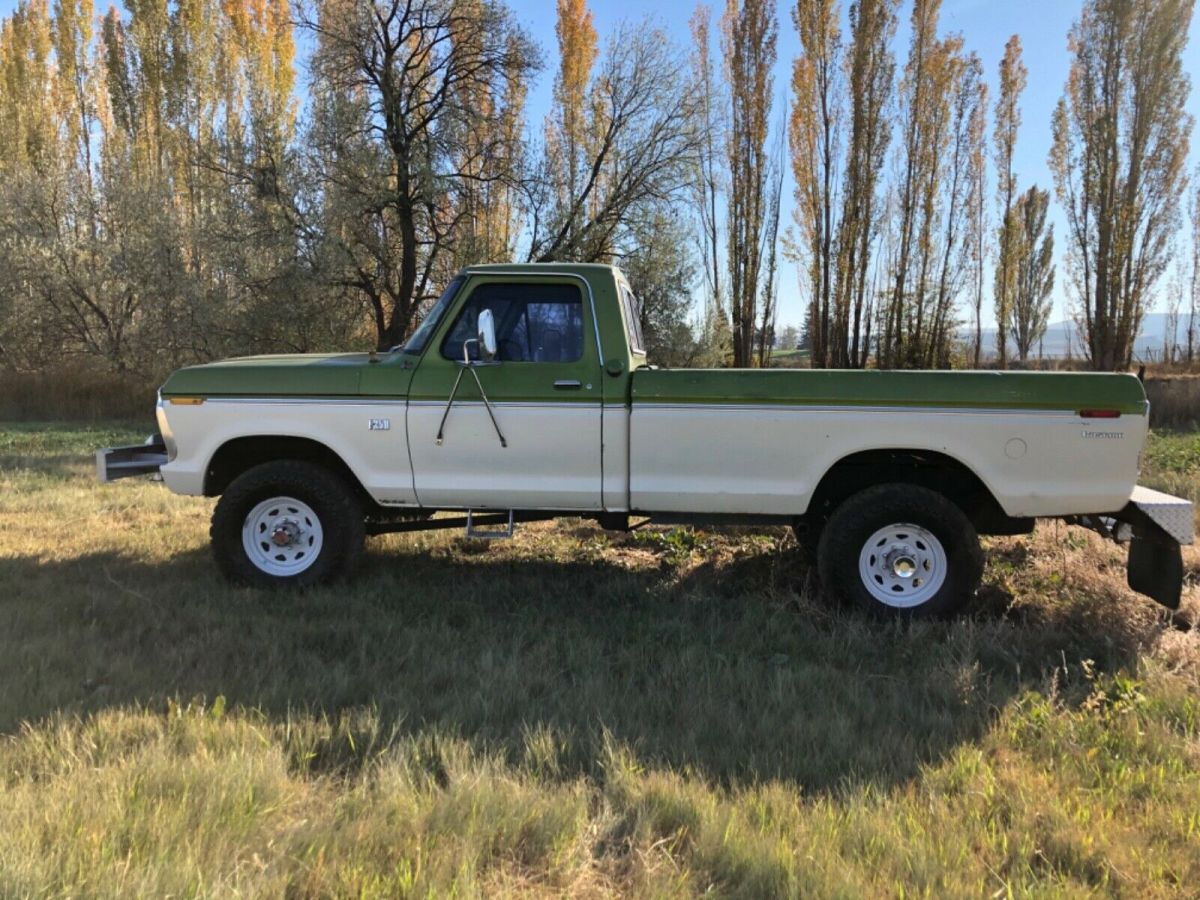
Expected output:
{"points": [[526, 394]]}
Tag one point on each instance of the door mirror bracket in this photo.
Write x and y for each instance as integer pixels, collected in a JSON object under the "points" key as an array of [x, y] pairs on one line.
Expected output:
{"points": [[486, 342]]}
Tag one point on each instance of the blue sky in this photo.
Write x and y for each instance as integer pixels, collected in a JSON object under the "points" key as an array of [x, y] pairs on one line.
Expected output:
{"points": [[984, 24]]}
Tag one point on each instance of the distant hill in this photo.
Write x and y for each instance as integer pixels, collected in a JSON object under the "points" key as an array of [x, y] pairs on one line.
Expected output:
{"points": [[1062, 337]]}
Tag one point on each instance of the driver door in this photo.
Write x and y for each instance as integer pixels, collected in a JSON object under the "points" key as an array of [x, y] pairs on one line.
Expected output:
{"points": [[544, 386]]}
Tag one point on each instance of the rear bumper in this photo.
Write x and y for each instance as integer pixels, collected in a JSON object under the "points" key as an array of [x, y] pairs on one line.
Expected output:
{"points": [[136, 459], [1156, 525]]}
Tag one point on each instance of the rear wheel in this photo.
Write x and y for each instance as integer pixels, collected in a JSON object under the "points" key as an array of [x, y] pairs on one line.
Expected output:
{"points": [[899, 550], [287, 523]]}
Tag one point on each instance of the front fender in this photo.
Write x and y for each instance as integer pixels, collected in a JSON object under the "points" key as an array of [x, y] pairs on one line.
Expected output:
{"points": [[369, 437]]}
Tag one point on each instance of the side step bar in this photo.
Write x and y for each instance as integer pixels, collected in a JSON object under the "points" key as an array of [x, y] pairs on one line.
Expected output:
{"points": [[488, 534], [473, 521], [136, 459]]}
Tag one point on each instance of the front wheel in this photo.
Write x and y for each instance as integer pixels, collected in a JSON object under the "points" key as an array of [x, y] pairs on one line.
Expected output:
{"points": [[899, 550], [287, 523]]}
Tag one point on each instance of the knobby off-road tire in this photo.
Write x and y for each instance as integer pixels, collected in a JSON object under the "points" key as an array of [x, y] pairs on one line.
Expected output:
{"points": [[287, 524], [900, 551]]}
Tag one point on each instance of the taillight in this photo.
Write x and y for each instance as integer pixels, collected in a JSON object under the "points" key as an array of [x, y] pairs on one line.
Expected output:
{"points": [[1100, 414]]}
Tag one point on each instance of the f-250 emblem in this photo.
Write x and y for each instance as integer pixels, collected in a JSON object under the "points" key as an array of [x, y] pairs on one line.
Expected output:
{"points": [[379, 424]]}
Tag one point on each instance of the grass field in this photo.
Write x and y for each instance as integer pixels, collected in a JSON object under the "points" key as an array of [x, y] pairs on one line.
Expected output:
{"points": [[573, 713]]}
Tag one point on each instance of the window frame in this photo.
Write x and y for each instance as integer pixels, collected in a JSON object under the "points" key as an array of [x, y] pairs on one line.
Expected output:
{"points": [[631, 314], [437, 313], [519, 282]]}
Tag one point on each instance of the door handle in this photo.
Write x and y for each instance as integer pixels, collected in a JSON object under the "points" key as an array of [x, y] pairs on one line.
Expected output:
{"points": [[567, 384]]}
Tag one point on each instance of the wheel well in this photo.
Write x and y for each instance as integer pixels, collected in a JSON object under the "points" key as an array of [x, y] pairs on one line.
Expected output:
{"points": [[927, 468], [240, 454]]}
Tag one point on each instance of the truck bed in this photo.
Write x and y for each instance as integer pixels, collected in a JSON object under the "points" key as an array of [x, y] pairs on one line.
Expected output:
{"points": [[758, 442]]}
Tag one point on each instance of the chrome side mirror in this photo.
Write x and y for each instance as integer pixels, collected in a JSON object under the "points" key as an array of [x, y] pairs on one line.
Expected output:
{"points": [[487, 334]]}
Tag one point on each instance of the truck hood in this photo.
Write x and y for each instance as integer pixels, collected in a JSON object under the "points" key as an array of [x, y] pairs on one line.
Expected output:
{"points": [[291, 375]]}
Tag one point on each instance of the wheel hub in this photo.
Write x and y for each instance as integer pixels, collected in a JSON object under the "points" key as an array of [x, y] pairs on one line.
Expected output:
{"points": [[282, 536], [285, 533], [902, 562], [903, 565]]}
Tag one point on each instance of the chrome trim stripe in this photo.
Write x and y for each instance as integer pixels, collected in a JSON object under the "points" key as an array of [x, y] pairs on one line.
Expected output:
{"points": [[800, 407], [511, 404], [307, 401], [645, 406]]}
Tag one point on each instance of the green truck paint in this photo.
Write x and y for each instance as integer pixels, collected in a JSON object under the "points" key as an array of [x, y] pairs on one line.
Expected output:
{"points": [[297, 375], [873, 388]]}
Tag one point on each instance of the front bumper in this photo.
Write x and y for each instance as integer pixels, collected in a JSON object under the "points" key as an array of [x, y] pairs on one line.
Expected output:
{"points": [[136, 459]]}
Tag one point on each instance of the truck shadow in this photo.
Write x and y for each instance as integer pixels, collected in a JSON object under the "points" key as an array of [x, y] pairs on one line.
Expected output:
{"points": [[725, 670]]}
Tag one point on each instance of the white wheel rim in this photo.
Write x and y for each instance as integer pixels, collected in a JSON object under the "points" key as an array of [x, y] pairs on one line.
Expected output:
{"points": [[282, 536], [902, 565]]}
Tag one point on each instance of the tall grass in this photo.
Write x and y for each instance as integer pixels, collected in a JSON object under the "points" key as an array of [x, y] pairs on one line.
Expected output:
{"points": [[74, 394], [572, 713], [1174, 401]]}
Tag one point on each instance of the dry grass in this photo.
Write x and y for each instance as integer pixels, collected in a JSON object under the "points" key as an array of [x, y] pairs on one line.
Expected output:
{"points": [[81, 393], [1174, 401], [573, 713]]}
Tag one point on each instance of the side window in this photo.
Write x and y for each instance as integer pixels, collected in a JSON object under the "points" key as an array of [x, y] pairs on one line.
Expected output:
{"points": [[534, 322], [633, 320]]}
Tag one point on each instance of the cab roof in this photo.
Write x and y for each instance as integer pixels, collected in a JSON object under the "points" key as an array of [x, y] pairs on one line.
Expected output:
{"points": [[575, 268]]}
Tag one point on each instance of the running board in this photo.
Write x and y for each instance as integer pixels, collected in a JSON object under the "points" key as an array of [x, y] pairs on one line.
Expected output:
{"points": [[487, 534], [472, 521]]}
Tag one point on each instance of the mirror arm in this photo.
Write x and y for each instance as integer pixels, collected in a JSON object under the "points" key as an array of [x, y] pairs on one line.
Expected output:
{"points": [[468, 367], [488, 406]]}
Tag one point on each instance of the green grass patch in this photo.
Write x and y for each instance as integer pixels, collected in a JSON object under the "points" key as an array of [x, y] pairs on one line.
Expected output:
{"points": [[1171, 462], [571, 713]]}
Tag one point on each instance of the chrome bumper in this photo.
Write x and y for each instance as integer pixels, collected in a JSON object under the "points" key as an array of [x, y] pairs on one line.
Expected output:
{"points": [[125, 462]]}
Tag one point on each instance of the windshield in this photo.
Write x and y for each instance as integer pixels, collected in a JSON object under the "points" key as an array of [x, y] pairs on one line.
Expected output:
{"points": [[419, 338]]}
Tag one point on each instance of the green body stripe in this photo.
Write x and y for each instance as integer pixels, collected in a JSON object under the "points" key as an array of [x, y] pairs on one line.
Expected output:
{"points": [[972, 390]]}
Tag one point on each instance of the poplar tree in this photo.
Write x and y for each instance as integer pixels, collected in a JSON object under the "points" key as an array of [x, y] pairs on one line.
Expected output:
{"points": [[1013, 76], [870, 69], [1194, 289], [748, 39], [959, 179], [977, 215], [707, 187], [815, 135], [1121, 134], [1033, 281], [568, 129], [924, 112]]}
